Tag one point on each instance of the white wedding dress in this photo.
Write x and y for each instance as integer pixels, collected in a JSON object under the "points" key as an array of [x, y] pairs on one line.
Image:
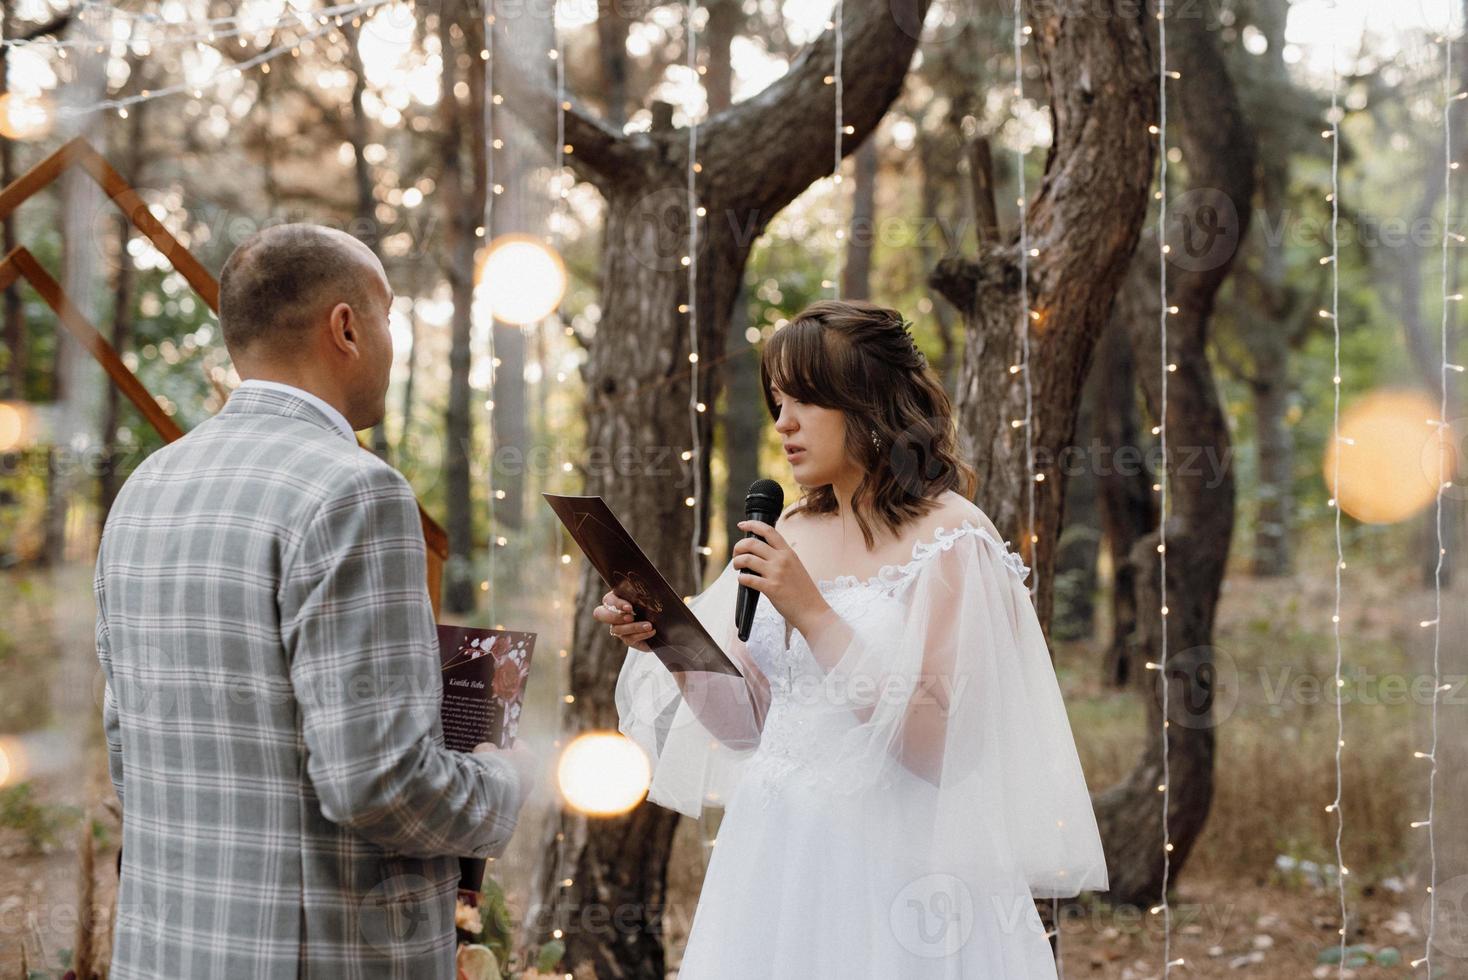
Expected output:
{"points": [[893, 804]]}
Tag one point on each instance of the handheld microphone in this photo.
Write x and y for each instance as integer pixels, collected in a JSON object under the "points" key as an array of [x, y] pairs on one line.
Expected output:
{"points": [[764, 502]]}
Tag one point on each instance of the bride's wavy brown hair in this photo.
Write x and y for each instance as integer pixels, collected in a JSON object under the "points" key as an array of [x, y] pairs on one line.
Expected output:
{"points": [[861, 359]]}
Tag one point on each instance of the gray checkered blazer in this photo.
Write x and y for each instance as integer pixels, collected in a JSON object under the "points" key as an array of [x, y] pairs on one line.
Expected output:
{"points": [[271, 711]]}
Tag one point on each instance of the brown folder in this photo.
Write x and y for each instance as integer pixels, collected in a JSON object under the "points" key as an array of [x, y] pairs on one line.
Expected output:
{"points": [[680, 641]]}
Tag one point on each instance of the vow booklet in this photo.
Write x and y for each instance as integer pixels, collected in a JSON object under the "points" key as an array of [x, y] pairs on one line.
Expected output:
{"points": [[680, 641], [484, 674]]}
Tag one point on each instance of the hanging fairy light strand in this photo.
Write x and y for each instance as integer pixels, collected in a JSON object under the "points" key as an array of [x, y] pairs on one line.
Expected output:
{"points": [[486, 235], [1032, 479], [563, 881], [1027, 315], [197, 89], [1333, 315], [203, 33], [1443, 482], [695, 407], [837, 25], [1160, 487]]}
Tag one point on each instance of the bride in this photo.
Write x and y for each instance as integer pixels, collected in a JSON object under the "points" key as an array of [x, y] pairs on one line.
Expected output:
{"points": [[897, 772]]}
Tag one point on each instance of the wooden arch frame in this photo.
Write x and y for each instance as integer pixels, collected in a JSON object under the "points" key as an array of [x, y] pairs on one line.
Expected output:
{"points": [[22, 264]]}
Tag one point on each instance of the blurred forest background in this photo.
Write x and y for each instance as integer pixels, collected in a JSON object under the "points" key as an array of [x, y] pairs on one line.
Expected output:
{"points": [[431, 129]]}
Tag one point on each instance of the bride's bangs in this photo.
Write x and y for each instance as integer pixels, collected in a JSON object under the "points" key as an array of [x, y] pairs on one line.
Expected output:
{"points": [[796, 361]]}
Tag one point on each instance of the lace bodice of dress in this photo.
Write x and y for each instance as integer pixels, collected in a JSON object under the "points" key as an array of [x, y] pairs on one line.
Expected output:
{"points": [[800, 724]]}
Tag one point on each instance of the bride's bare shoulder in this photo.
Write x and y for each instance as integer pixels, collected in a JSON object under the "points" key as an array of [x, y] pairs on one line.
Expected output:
{"points": [[953, 509], [792, 515]]}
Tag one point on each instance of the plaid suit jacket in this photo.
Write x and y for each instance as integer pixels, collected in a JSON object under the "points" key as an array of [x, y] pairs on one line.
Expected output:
{"points": [[272, 712]]}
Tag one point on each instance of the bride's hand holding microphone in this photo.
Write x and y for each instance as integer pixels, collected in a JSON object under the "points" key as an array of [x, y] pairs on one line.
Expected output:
{"points": [[772, 568]]}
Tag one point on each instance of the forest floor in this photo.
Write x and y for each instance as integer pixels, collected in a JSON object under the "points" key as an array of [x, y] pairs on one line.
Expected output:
{"points": [[1254, 898]]}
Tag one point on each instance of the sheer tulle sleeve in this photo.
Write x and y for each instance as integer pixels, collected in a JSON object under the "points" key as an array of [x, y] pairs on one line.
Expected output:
{"points": [[697, 728], [951, 698]]}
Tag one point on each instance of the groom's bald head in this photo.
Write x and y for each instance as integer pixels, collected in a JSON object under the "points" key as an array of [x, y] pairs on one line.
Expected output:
{"points": [[310, 306], [285, 279]]}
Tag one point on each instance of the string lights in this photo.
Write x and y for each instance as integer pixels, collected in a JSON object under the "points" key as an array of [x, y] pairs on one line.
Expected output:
{"points": [[197, 89], [563, 881], [837, 24], [695, 407], [486, 235], [1441, 424], [1021, 33], [1160, 487], [209, 30], [1333, 315]]}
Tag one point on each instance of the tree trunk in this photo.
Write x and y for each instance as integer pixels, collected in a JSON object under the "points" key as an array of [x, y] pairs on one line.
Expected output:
{"points": [[511, 417], [15, 333], [637, 399], [744, 422], [856, 275], [1074, 614], [1219, 148], [1124, 480], [612, 27], [122, 313], [364, 225], [1271, 338], [462, 209], [933, 248], [1100, 79]]}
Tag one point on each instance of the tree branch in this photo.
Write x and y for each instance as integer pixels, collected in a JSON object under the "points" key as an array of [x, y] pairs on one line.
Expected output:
{"points": [[791, 123]]}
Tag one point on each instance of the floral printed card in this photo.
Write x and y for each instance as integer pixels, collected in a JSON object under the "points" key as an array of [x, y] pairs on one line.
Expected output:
{"points": [[484, 674]]}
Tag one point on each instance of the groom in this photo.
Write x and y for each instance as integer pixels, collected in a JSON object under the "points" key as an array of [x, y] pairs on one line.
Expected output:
{"points": [[272, 674]]}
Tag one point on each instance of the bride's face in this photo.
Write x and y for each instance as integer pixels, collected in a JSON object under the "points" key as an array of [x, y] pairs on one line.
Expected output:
{"points": [[814, 438]]}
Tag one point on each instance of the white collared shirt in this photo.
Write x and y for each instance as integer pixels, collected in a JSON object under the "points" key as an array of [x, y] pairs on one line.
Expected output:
{"points": [[327, 409]]}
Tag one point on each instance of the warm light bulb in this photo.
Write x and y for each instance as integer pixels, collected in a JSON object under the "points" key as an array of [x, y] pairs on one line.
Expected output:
{"points": [[25, 117], [523, 278], [603, 774]]}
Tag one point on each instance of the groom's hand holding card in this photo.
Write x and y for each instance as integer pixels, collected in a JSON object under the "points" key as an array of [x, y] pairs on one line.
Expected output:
{"points": [[484, 675]]}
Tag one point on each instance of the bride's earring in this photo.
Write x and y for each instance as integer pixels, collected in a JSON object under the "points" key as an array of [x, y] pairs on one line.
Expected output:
{"points": [[876, 442]]}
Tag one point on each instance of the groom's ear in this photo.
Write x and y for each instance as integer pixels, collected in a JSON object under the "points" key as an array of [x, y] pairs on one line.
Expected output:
{"points": [[341, 325]]}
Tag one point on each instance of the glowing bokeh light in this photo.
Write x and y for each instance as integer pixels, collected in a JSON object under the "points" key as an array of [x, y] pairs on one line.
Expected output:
{"points": [[603, 774], [523, 279], [1390, 452], [25, 117], [12, 426], [13, 768]]}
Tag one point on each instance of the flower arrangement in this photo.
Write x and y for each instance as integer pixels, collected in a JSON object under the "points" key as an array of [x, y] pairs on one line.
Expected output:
{"points": [[486, 943]]}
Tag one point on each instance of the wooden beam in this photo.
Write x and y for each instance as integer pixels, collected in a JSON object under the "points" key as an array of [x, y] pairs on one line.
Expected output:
{"points": [[20, 263]]}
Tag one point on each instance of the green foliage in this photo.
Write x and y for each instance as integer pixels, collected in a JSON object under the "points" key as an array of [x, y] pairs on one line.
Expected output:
{"points": [[1361, 955], [41, 823], [496, 932], [551, 954]]}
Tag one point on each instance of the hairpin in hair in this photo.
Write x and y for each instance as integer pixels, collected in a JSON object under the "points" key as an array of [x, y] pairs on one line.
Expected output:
{"points": [[917, 351]]}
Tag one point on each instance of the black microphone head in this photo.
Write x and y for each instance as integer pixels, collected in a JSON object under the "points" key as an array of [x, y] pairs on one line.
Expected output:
{"points": [[765, 497]]}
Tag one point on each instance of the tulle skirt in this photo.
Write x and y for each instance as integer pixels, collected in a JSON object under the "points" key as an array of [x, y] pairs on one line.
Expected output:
{"points": [[810, 884]]}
